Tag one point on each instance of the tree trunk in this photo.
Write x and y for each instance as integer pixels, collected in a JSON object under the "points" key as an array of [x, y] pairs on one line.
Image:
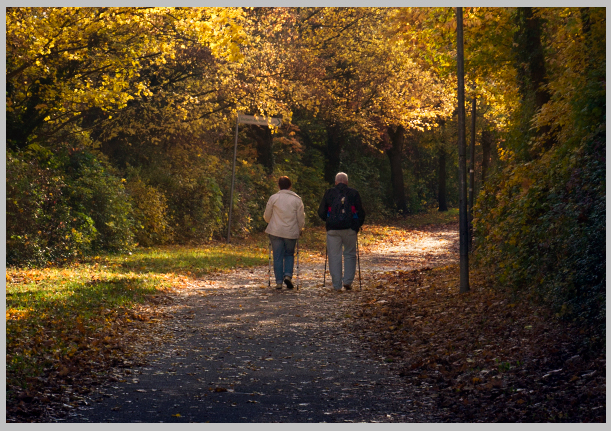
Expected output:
{"points": [[443, 203], [335, 142], [263, 143], [486, 145], [395, 156], [531, 56], [532, 73]]}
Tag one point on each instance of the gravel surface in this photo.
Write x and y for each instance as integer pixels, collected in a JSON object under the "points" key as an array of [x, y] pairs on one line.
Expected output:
{"points": [[236, 350]]}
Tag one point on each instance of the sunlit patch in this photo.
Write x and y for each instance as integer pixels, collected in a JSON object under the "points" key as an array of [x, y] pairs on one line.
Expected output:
{"points": [[14, 314]]}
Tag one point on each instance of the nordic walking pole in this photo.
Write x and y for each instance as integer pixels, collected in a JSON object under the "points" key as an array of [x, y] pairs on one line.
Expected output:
{"points": [[358, 259], [297, 269], [324, 277], [269, 266]]}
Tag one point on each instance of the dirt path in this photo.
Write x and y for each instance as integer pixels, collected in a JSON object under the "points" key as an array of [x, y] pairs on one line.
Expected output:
{"points": [[235, 350]]}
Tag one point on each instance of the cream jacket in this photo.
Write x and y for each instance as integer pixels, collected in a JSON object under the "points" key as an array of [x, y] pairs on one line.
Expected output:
{"points": [[284, 214]]}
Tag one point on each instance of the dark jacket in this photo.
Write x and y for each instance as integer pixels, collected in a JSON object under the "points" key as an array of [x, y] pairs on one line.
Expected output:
{"points": [[353, 197]]}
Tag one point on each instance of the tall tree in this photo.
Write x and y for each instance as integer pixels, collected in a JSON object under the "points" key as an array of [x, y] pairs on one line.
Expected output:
{"points": [[530, 65], [262, 136], [65, 62], [335, 142]]}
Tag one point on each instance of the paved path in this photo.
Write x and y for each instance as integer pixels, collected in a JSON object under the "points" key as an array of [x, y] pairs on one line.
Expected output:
{"points": [[238, 351]]}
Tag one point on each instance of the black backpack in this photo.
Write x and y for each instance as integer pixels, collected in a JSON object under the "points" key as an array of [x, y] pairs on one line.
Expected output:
{"points": [[341, 212]]}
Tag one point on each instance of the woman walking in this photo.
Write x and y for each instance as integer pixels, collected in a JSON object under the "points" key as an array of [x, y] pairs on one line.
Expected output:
{"points": [[285, 216]]}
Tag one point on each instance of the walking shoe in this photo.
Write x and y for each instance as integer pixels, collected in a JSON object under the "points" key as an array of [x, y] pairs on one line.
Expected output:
{"points": [[289, 283], [279, 286], [348, 286]]}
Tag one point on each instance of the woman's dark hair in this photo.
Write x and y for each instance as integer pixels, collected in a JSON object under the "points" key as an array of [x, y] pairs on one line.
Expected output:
{"points": [[284, 183]]}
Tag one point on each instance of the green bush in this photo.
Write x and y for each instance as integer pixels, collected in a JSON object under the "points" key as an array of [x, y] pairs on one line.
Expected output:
{"points": [[40, 224], [310, 186], [193, 197], [62, 204], [253, 187], [369, 173], [150, 211], [96, 192]]}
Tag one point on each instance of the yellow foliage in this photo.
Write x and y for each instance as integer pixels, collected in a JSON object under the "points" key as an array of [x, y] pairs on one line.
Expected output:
{"points": [[74, 59]]}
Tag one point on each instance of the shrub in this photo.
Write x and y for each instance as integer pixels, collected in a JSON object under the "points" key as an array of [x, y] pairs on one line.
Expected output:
{"points": [[62, 204], [193, 197], [40, 224], [540, 228], [96, 192], [370, 175], [150, 211]]}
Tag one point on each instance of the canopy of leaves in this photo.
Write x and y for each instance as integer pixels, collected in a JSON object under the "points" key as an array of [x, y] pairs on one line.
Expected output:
{"points": [[62, 62]]}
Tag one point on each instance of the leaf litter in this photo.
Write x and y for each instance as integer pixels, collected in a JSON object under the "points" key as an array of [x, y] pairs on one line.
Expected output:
{"points": [[482, 357]]}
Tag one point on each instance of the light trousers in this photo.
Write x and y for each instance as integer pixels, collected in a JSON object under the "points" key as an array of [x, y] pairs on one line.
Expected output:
{"points": [[341, 242]]}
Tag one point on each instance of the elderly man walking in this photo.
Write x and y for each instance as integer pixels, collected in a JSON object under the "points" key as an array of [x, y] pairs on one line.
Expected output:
{"points": [[285, 216], [342, 210]]}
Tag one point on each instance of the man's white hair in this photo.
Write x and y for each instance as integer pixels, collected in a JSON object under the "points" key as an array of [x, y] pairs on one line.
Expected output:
{"points": [[341, 178]]}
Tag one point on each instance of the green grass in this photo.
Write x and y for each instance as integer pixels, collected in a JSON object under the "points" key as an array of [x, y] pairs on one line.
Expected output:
{"points": [[57, 315], [54, 316], [191, 260]]}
